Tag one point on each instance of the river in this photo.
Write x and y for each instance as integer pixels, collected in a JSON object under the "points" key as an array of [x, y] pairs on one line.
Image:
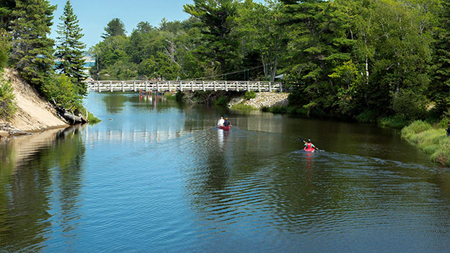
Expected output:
{"points": [[156, 176]]}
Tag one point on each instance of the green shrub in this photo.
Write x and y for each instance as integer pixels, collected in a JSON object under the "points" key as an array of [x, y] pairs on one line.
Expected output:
{"points": [[410, 104], [441, 157], [249, 95], [4, 48], [92, 119], [431, 149], [415, 128], [243, 107], [398, 121], [367, 116], [7, 99], [61, 89], [221, 101], [278, 109]]}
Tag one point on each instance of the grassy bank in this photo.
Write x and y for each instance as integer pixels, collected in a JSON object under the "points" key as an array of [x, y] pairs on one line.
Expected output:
{"points": [[432, 139]]}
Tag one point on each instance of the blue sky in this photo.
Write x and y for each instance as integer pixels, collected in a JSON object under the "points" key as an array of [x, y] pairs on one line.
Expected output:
{"points": [[94, 15]]}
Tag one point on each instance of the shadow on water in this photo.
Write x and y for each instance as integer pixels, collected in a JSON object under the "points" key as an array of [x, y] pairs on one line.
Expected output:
{"points": [[162, 177], [246, 176], [40, 180]]}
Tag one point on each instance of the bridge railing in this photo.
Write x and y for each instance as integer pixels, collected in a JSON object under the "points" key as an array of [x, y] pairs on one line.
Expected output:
{"points": [[123, 86]]}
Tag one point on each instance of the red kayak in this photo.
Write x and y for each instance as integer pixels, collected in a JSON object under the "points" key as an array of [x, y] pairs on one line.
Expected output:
{"points": [[226, 128], [309, 149]]}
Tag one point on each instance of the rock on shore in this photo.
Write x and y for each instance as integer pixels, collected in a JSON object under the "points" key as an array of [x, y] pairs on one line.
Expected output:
{"points": [[263, 99]]}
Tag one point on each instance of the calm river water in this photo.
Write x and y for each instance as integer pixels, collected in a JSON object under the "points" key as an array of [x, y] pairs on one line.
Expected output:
{"points": [[155, 176]]}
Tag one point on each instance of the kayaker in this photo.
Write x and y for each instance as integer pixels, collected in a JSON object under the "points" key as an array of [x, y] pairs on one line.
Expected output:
{"points": [[226, 123], [309, 146], [220, 122]]}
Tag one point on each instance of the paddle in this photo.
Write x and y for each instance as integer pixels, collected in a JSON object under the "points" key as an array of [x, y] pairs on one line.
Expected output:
{"points": [[316, 148]]}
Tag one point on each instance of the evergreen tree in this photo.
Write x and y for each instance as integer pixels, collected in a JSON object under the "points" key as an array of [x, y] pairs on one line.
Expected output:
{"points": [[217, 22], [317, 44], [6, 7], [32, 51], [69, 49], [115, 27]]}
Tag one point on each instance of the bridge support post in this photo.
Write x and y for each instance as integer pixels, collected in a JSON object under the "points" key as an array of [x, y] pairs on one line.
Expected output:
{"points": [[98, 87], [226, 86], [110, 86], [168, 84], [270, 86], [123, 86], [203, 85], [157, 86], [248, 85], [134, 86], [215, 86], [259, 86], [281, 87], [181, 86], [192, 86]]}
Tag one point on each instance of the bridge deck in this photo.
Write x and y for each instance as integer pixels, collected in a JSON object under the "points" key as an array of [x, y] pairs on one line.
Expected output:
{"points": [[123, 86]]}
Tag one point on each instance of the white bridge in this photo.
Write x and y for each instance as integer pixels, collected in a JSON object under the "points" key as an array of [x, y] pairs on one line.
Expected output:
{"points": [[161, 86]]}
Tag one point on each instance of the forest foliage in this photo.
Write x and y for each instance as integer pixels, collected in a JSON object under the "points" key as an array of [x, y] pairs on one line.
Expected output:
{"points": [[365, 60]]}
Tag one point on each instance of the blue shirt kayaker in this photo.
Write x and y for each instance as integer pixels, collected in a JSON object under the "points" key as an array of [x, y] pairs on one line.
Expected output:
{"points": [[226, 123]]}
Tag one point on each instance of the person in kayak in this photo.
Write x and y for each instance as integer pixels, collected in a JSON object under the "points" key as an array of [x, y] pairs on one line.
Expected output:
{"points": [[220, 122], [309, 146], [226, 123]]}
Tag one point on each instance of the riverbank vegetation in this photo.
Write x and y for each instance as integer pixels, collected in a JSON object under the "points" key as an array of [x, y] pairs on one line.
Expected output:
{"points": [[432, 139], [7, 99], [371, 61], [25, 46]]}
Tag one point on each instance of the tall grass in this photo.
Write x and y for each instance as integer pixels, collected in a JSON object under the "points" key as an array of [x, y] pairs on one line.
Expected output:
{"points": [[243, 107], [432, 140]]}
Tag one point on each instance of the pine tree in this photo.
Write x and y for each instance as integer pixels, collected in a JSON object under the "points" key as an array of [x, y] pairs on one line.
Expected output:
{"points": [[115, 27], [32, 50], [217, 20], [69, 49], [6, 6]]}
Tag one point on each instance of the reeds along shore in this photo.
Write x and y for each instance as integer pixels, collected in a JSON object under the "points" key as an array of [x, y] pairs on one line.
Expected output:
{"points": [[432, 140]]}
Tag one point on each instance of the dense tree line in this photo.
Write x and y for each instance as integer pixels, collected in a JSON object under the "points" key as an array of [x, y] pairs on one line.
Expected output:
{"points": [[362, 60], [358, 59]]}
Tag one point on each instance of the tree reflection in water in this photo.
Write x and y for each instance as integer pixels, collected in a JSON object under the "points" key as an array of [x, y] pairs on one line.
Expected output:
{"points": [[42, 174]]}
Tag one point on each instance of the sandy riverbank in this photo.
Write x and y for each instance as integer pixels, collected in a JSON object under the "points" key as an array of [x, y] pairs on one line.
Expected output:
{"points": [[34, 113]]}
